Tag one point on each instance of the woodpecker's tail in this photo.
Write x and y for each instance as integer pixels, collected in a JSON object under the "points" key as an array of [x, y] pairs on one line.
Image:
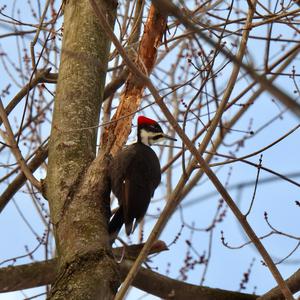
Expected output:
{"points": [[116, 224]]}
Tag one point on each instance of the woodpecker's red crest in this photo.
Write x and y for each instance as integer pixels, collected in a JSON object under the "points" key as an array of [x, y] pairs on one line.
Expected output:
{"points": [[144, 120]]}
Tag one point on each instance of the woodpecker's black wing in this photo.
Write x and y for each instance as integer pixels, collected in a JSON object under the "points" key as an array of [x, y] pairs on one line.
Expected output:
{"points": [[116, 224], [118, 168], [135, 174]]}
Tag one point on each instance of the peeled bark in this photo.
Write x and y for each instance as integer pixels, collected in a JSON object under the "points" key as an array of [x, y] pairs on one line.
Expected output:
{"points": [[116, 133]]}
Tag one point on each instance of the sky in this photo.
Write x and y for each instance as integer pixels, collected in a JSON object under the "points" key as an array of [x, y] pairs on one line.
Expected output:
{"points": [[276, 197]]}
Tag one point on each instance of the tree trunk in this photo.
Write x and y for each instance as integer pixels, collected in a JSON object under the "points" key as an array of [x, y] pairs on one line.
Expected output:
{"points": [[77, 189]]}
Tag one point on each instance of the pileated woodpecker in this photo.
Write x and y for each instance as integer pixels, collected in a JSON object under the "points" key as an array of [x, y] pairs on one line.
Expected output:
{"points": [[135, 174]]}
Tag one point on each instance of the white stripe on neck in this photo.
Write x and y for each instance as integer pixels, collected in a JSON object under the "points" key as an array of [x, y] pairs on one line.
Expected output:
{"points": [[145, 137]]}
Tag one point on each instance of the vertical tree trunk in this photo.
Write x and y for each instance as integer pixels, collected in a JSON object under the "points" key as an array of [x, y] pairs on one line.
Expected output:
{"points": [[77, 193]]}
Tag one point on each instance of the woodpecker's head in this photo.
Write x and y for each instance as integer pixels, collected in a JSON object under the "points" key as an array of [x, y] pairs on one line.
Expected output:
{"points": [[149, 132]]}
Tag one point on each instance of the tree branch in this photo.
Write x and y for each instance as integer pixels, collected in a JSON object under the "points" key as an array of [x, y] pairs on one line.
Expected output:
{"points": [[20, 180], [41, 76], [22, 277], [9, 137], [42, 273]]}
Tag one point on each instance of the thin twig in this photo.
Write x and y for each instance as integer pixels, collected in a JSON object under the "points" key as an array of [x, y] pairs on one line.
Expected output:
{"points": [[255, 187], [9, 136], [20, 180], [32, 44]]}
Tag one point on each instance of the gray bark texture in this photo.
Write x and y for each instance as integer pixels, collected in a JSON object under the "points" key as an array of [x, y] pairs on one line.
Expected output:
{"points": [[41, 273], [77, 186]]}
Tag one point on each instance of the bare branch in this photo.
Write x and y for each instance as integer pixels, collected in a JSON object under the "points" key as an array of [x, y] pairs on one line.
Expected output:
{"points": [[9, 136]]}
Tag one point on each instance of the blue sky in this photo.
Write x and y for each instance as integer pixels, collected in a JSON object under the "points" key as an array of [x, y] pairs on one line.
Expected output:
{"points": [[277, 197]]}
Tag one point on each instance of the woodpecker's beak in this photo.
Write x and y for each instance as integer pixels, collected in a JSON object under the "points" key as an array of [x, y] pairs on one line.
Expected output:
{"points": [[169, 137]]}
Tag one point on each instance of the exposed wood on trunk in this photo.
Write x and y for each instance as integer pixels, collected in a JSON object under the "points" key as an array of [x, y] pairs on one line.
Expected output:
{"points": [[117, 133]]}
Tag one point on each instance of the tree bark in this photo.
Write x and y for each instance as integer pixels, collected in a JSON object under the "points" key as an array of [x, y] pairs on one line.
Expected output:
{"points": [[41, 273], [77, 189]]}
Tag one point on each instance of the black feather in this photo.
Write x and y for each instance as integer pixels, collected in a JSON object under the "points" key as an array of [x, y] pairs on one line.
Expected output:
{"points": [[116, 224], [135, 174]]}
